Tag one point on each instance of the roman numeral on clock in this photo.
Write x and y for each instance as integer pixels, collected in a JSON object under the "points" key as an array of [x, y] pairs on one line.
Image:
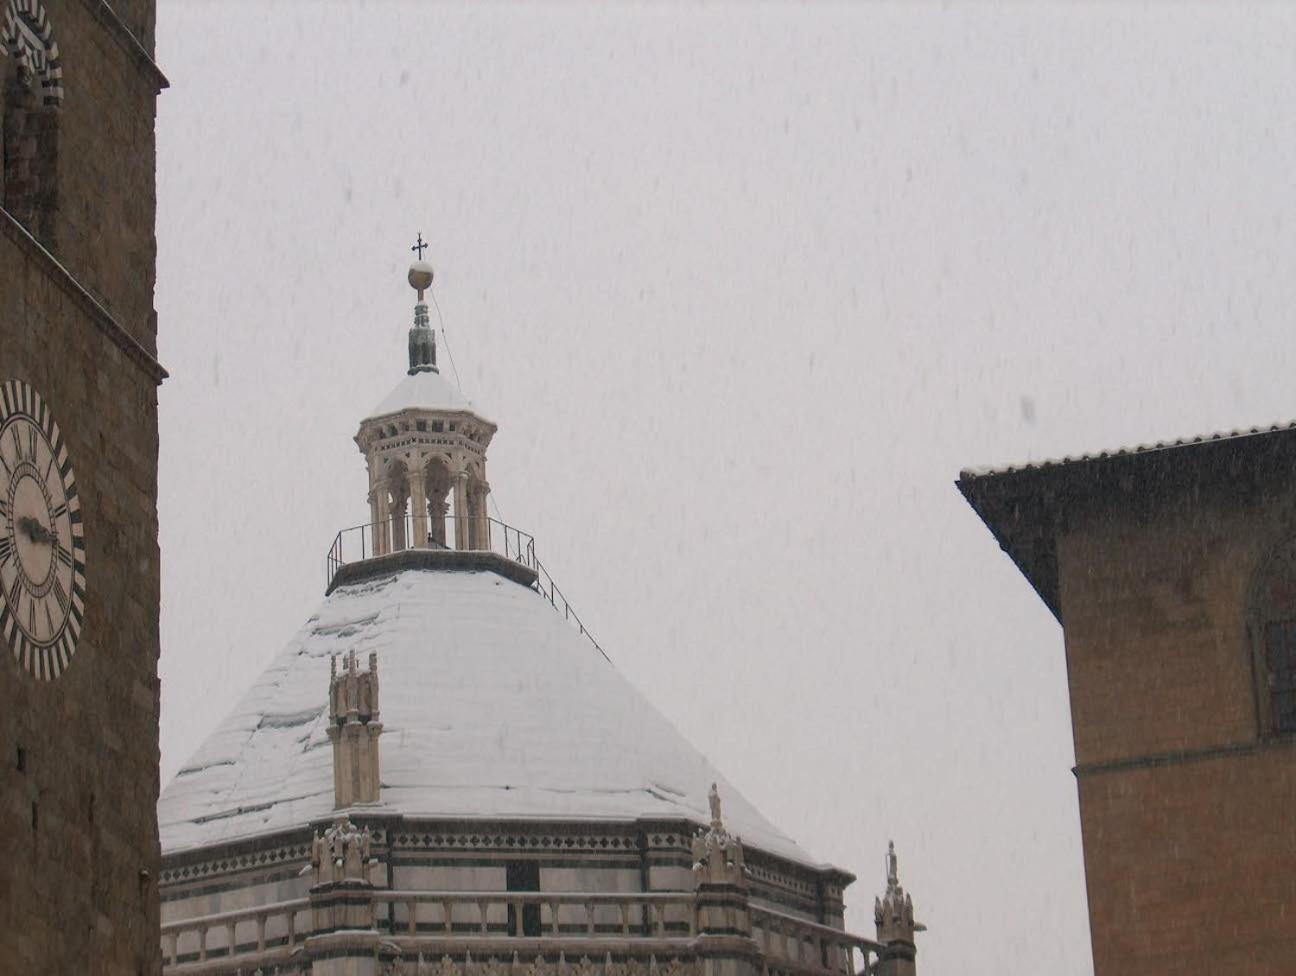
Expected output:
{"points": [[62, 554], [61, 596], [4, 508], [31, 443], [59, 511], [15, 594], [18, 444], [6, 549]]}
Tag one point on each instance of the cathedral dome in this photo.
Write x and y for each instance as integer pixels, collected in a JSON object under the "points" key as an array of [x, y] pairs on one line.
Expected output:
{"points": [[489, 789], [493, 708]]}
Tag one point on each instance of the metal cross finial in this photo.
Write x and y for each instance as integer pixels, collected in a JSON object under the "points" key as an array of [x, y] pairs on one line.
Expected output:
{"points": [[420, 246]]}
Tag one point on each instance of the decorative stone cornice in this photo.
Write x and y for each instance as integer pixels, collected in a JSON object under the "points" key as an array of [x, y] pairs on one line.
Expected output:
{"points": [[100, 316], [131, 44], [444, 430], [469, 560]]}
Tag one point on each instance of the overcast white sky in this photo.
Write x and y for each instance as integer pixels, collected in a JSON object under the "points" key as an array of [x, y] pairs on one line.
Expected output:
{"points": [[744, 288]]}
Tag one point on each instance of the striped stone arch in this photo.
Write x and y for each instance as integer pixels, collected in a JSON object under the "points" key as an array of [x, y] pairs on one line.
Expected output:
{"points": [[29, 38]]}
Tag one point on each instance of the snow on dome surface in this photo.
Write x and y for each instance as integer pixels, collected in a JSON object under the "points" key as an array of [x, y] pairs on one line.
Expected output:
{"points": [[492, 707], [427, 391]]}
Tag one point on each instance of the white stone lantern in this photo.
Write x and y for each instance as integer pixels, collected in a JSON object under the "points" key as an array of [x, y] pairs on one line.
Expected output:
{"points": [[425, 446]]}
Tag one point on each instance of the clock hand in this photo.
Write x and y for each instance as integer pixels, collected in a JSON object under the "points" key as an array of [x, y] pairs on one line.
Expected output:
{"points": [[35, 531]]}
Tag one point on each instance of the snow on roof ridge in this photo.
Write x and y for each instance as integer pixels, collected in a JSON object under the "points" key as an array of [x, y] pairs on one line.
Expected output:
{"points": [[1165, 445]]}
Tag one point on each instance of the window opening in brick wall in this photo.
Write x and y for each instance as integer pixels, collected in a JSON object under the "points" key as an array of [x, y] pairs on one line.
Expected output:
{"points": [[523, 876], [22, 760], [1280, 668], [1273, 641]]}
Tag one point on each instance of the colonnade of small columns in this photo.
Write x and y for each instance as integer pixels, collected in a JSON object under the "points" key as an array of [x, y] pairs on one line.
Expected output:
{"points": [[418, 498]]}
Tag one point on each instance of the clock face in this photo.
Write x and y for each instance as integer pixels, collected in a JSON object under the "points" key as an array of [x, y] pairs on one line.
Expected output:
{"points": [[42, 546]]}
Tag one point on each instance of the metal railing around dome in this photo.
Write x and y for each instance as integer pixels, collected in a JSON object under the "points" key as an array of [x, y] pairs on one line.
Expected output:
{"points": [[469, 533]]}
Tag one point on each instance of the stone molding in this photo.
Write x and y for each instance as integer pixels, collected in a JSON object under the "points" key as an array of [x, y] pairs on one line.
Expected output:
{"points": [[455, 560], [772, 880], [131, 44], [374, 437], [185, 866], [100, 316]]}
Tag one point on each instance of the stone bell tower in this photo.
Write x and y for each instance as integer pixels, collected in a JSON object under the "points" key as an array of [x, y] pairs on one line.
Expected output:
{"points": [[425, 447]]}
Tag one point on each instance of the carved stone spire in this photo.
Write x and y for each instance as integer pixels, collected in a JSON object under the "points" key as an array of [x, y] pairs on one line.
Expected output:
{"points": [[422, 340], [717, 854], [720, 883], [894, 915], [341, 852], [342, 860], [354, 729]]}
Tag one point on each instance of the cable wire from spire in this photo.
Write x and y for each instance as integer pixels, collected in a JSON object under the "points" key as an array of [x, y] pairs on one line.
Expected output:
{"points": [[446, 340]]}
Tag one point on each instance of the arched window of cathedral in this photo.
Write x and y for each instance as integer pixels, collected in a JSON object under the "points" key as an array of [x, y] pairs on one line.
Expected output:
{"points": [[33, 92], [1273, 627]]}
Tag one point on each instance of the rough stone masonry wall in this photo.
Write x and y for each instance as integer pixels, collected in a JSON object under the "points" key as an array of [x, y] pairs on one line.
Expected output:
{"points": [[104, 226], [78, 831], [1184, 806], [79, 821]]}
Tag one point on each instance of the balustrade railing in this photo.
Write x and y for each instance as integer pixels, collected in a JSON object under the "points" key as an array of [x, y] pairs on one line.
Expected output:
{"points": [[266, 932], [540, 915], [794, 945], [544, 923]]}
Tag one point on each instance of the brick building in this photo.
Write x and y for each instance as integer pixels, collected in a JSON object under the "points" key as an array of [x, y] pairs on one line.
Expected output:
{"points": [[1172, 569], [79, 574]]}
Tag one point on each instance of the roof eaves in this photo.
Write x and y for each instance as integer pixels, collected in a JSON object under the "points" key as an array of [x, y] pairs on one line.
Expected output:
{"points": [[968, 474]]}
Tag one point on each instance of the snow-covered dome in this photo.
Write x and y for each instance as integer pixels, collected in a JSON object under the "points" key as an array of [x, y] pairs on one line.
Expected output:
{"points": [[422, 391], [443, 758], [493, 708]]}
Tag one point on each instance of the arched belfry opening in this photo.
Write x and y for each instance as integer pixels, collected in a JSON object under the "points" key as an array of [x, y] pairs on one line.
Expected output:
{"points": [[425, 446], [30, 97]]}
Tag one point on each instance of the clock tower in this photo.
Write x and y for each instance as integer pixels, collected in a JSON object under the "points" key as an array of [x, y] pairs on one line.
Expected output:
{"points": [[79, 570]]}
